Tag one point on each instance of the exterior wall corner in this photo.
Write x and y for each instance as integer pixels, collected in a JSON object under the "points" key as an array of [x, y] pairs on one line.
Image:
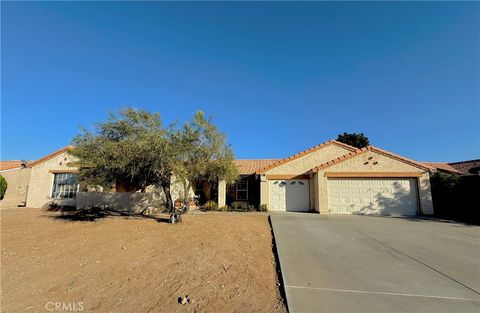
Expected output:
{"points": [[222, 193], [264, 193], [425, 194]]}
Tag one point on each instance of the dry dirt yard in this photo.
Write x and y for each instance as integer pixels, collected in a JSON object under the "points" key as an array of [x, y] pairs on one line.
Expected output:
{"points": [[223, 262]]}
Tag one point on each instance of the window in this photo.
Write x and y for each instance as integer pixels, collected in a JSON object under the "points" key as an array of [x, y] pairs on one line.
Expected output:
{"points": [[242, 189], [65, 185]]}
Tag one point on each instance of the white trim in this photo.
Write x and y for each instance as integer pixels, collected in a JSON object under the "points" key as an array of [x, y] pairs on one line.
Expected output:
{"points": [[52, 180]]}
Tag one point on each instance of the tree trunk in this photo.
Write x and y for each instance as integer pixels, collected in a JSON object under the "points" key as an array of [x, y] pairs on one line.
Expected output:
{"points": [[186, 188], [168, 195]]}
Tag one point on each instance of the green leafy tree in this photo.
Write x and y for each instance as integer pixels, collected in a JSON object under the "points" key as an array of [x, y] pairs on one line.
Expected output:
{"points": [[128, 152], [204, 154], [132, 150], [3, 186], [354, 139]]}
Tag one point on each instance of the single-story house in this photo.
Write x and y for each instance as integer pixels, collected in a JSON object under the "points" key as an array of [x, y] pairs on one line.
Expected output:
{"points": [[331, 177]]}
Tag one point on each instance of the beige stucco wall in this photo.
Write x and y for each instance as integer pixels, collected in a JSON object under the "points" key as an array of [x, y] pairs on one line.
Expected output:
{"points": [[41, 180], [307, 162], [425, 194], [385, 164], [312, 193], [16, 193], [131, 202], [264, 191]]}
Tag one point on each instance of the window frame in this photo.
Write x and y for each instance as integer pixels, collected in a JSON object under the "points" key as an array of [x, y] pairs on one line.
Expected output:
{"points": [[63, 187], [241, 180]]}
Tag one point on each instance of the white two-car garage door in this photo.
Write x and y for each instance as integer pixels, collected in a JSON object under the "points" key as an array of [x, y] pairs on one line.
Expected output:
{"points": [[396, 196], [289, 195]]}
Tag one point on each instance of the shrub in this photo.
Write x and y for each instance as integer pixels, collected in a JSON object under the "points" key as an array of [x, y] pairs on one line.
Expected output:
{"points": [[3, 186], [262, 208], [210, 206], [455, 197], [239, 206]]}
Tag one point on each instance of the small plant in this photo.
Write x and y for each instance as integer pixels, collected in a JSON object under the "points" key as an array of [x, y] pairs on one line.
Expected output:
{"points": [[3, 186], [262, 208], [239, 206], [224, 208], [210, 206]]}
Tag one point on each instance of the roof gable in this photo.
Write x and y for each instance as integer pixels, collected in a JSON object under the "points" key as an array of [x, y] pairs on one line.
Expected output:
{"points": [[364, 150], [49, 156], [304, 153]]}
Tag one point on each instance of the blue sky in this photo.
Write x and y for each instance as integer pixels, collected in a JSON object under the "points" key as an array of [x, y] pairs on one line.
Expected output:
{"points": [[277, 77]]}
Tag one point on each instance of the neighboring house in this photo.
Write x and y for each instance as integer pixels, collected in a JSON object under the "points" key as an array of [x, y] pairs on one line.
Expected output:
{"points": [[470, 167], [334, 178], [328, 178], [443, 167]]}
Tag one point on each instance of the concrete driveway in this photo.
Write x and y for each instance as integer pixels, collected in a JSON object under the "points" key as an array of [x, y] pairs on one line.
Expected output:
{"points": [[340, 263]]}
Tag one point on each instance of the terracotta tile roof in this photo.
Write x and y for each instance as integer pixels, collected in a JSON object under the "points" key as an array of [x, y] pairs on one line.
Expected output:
{"points": [[49, 156], [11, 164], [305, 152], [369, 148], [470, 167], [445, 167], [251, 166]]}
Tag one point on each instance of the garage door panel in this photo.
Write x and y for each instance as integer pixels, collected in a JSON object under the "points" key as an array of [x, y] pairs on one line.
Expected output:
{"points": [[392, 196], [289, 195]]}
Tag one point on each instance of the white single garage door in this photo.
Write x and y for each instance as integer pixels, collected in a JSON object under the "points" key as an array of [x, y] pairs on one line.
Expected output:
{"points": [[289, 195], [391, 196]]}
